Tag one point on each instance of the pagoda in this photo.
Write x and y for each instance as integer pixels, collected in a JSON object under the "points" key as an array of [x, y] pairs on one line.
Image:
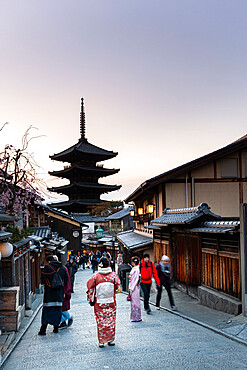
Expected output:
{"points": [[84, 189]]}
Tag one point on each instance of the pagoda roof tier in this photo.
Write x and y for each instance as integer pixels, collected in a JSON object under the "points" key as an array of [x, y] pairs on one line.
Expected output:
{"points": [[96, 171], [77, 205], [83, 150], [99, 188]]}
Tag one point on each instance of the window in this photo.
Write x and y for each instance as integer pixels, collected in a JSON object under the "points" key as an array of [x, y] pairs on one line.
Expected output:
{"points": [[229, 167]]}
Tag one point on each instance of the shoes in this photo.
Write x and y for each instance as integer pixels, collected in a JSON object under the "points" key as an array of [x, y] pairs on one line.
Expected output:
{"points": [[148, 310], [41, 332], [62, 325], [136, 320], [70, 321], [101, 345], [112, 343], [72, 291], [55, 330], [157, 308], [174, 308]]}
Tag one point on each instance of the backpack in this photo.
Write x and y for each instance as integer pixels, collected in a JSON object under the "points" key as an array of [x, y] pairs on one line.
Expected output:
{"points": [[151, 263], [57, 281]]}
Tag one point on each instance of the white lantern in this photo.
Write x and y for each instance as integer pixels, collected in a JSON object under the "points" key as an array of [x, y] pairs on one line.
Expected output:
{"points": [[6, 249]]}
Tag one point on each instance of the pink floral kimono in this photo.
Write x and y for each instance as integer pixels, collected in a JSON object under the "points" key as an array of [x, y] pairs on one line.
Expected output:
{"points": [[105, 283], [134, 288]]}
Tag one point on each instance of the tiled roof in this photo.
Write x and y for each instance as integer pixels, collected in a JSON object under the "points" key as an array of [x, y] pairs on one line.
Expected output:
{"points": [[42, 231], [184, 215], [83, 147], [4, 235], [82, 185], [134, 240], [87, 217], [217, 227], [118, 215], [4, 217]]}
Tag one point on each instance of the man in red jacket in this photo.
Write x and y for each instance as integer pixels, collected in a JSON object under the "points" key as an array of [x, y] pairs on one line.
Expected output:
{"points": [[147, 270]]}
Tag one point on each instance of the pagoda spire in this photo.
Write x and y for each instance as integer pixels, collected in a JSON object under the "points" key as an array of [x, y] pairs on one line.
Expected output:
{"points": [[82, 121]]}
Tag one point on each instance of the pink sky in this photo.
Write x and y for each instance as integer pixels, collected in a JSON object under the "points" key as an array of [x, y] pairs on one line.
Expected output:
{"points": [[164, 82]]}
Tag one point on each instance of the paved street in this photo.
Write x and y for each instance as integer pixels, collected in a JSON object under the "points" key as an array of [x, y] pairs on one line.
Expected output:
{"points": [[161, 340]]}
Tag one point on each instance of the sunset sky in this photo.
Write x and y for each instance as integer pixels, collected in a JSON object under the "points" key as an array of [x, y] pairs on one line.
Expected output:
{"points": [[164, 82]]}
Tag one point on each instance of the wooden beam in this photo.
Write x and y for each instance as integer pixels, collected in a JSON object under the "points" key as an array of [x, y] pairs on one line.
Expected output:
{"points": [[62, 218]]}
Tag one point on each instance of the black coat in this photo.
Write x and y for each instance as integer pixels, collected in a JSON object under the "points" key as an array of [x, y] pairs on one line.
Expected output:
{"points": [[72, 268], [50, 294]]}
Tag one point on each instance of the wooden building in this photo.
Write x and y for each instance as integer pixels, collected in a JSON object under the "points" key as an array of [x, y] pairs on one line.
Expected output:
{"points": [[218, 178], [84, 189], [120, 221], [204, 249], [92, 223], [134, 243], [65, 226]]}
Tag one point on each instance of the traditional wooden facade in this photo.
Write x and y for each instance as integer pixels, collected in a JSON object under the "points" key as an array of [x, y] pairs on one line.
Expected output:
{"points": [[120, 221], [218, 178], [16, 284], [205, 253], [134, 243], [83, 173], [66, 227]]}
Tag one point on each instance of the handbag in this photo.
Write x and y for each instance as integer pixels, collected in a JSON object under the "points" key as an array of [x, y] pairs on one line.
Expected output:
{"points": [[129, 297], [93, 299]]}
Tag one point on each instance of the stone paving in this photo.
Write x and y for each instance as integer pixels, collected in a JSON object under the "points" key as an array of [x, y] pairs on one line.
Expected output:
{"points": [[161, 340]]}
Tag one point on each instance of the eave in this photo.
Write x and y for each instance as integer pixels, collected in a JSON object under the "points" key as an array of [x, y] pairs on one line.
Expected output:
{"points": [[101, 188], [92, 171], [178, 171], [83, 150]]}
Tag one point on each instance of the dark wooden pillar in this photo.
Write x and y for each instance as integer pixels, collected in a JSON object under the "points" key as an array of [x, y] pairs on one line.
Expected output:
{"points": [[243, 255]]}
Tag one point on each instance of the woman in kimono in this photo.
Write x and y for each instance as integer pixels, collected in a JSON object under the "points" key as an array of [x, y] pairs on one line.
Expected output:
{"points": [[134, 290], [102, 288]]}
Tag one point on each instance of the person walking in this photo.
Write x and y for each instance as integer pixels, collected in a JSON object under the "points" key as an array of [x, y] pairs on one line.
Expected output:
{"points": [[66, 305], [53, 276], [102, 288], [94, 263], [164, 271], [72, 268], [147, 270], [134, 290]]}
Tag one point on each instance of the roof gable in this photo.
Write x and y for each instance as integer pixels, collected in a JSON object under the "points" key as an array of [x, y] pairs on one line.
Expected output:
{"points": [[184, 216], [241, 143]]}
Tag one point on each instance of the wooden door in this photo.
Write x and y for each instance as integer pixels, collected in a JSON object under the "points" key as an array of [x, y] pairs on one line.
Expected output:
{"points": [[187, 264]]}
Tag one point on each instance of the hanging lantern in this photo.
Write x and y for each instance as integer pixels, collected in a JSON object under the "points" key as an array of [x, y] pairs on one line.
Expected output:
{"points": [[6, 249], [150, 208], [140, 211], [132, 213]]}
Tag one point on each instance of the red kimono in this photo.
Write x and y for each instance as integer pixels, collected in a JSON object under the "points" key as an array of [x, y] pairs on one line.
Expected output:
{"points": [[105, 285]]}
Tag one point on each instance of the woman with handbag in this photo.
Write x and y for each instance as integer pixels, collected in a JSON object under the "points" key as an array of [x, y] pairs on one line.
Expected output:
{"points": [[134, 291], [102, 288]]}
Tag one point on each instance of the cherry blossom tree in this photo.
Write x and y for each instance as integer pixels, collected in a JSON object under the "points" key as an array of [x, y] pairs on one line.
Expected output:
{"points": [[19, 183]]}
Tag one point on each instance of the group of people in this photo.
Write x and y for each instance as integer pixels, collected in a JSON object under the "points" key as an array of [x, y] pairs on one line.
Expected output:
{"points": [[103, 286]]}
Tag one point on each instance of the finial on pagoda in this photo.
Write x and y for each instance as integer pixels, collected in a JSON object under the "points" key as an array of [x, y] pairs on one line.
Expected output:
{"points": [[82, 121]]}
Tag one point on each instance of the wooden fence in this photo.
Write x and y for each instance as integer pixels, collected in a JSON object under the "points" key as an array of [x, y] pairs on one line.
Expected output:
{"points": [[221, 264]]}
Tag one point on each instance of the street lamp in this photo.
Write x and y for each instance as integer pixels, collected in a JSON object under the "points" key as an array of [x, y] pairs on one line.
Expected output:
{"points": [[113, 245], [99, 232]]}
